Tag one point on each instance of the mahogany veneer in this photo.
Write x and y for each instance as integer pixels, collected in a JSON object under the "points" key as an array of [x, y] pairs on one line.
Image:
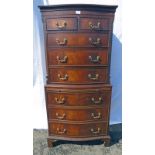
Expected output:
{"points": [[53, 23], [75, 57], [71, 97], [78, 50], [78, 114], [72, 39], [78, 75], [78, 130]]}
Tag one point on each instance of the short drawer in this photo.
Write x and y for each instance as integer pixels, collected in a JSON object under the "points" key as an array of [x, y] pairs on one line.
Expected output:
{"points": [[78, 40], [78, 130], [84, 114], [78, 75], [78, 98], [61, 24], [94, 24], [77, 57]]}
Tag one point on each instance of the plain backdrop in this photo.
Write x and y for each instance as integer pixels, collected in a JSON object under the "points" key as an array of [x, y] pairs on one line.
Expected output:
{"points": [[39, 70]]}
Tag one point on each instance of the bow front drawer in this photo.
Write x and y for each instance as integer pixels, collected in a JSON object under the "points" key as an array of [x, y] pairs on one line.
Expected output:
{"points": [[77, 57], [78, 98], [84, 114], [77, 40], [78, 75], [94, 24], [61, 24], [78, 130]]}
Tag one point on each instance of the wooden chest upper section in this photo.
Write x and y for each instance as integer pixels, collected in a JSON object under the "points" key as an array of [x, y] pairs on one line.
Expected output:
{"points": [[81, 17], [77, 38]]}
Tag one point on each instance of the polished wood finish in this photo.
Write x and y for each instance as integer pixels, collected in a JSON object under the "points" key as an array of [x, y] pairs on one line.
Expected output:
{"points": [[78, 130], [97, 88], [77, 40], [84, 114], [89, 98], [75, 57], [95, 24], [78, 50], [78, 75], [61, 24]]}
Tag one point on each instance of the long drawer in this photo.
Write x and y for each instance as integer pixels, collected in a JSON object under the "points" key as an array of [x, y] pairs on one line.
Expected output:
{"points": [[75, 98], [78, 130], [78, 39], [79, 114], [77, 56], [78, 75]]}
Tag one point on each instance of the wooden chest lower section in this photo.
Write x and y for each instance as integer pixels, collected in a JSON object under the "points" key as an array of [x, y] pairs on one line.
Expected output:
{"points": [[78, 111]]}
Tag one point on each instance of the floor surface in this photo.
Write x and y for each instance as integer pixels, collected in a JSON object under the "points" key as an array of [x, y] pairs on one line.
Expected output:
{"points": [[78, 148]]}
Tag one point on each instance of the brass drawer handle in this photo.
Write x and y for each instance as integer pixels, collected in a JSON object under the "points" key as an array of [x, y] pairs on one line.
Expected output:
{"points": [[95, 132], [62, 25], [60, 101], [63, 60], [63, 78], [96, 117], [95, 43], [93, 78], [94, 60], [94, 27], [61, 132], [64, 42], [60, 117], [96, 102]]}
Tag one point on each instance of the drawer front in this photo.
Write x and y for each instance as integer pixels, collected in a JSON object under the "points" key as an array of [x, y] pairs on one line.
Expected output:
{"points": [[78, 130], [61, 24], [90, 114], [78, 39], [77, 57], [76, 75], [78, 99], [94, 24]]}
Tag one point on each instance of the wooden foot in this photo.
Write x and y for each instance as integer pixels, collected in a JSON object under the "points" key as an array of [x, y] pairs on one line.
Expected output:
{"points": [[106, 140], [50, 142]]}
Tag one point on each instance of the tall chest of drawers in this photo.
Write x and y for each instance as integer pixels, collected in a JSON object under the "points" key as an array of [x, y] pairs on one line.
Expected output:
{"points": [[78, 42]]}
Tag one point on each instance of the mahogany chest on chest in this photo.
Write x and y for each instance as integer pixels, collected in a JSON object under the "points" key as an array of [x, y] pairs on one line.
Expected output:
{"points": [[78, 42]]}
